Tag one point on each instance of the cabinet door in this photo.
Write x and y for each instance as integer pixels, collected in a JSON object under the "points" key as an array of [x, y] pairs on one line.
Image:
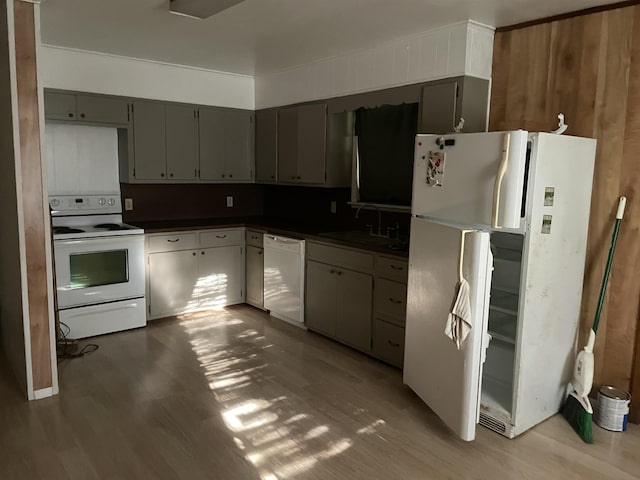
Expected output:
{"points": [[238, 158], [103, 110], [211, 130], [312, 141], [182, 142], [220, 276], [266, 146], [149, 135], [255, 276], [354, 298], [59, 106], [438, 108], [172, 282], [288, 145], [320, 304]]}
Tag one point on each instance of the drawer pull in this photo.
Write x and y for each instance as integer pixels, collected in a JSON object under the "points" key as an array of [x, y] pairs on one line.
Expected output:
{"points": [[393, 344], [396, 267], [339, 272], [221, 236], [332, 271], [393, 300], [173, 241], [259, 252]]}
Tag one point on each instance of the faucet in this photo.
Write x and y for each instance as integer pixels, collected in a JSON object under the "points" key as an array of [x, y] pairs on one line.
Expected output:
{"points": [[379, 234]]}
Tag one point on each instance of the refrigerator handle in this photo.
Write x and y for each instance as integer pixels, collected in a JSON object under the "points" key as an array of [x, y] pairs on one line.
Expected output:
{"points": [[497, 186]]}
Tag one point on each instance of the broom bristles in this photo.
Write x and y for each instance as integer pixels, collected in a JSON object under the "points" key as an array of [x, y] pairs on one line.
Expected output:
{"points": [[579, 418]]}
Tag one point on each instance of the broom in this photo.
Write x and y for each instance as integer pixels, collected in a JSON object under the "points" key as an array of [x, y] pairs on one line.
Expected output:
{"points": [[577, 409]]}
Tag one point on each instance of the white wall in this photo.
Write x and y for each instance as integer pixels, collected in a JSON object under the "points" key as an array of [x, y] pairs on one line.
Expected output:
{"points": [[85, 71], [13, 288], [459, 49]]}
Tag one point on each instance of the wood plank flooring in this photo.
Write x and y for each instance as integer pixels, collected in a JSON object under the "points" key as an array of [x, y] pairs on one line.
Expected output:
{"points": [[237, 395]]}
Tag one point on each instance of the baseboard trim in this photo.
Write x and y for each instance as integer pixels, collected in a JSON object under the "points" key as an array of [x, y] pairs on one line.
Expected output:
{"points": [[43, 393]]}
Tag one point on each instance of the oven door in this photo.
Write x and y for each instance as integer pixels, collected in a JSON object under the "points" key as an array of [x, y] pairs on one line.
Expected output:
{"points": [[98, 270]]}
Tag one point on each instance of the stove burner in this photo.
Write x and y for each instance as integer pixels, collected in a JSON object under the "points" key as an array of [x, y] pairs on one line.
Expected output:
{"points": [[59, 230], [111, 226]]}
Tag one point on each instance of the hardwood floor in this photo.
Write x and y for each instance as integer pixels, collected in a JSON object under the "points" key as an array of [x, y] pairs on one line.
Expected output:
{"points": [[236, 395]]}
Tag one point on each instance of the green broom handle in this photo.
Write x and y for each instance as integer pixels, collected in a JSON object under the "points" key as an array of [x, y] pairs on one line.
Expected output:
{"points": [[607, 270]]}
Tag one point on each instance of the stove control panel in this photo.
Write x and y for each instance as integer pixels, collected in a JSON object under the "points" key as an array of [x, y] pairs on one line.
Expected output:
{"points": [[85, 204]]}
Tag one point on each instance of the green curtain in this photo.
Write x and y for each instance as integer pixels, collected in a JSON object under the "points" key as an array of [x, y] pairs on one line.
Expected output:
{"points": [[386, 137]]}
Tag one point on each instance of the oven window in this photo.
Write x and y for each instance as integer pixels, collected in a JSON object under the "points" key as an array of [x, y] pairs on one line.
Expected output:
{"points": [[93, 269]]}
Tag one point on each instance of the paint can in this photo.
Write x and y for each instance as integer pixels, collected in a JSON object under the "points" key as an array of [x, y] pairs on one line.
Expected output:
{"points": [[612, 410]]}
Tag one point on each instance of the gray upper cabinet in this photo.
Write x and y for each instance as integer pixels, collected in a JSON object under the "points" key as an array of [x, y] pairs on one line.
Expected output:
{"points": [[182, 142], [312, 140], [288, 145], [266, 146], [60, 106], [444, 103], [86, 108], [96, 109], [439, 107], [149, 147], [226, 139]]}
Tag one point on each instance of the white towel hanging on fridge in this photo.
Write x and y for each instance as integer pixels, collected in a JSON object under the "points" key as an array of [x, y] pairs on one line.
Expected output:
{"points": [[459, 319]]}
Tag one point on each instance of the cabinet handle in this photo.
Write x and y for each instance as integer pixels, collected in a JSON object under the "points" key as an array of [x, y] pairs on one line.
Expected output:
{"points": [[230, 176], [393, 344], [71, 115], [299, 178], [171, 174], [259, 252], [194, 254], [339, 272], [221, 236], [173, 241], [202, 253], [82, 115], [223, 175], [162, 174], [393, 300], [273, 176], [195, 172], [395, 267], [293, 178]]}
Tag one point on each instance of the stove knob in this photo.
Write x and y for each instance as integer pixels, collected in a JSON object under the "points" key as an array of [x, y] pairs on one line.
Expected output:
{"points": [[102, 201], [55, 202], [112, 202]]}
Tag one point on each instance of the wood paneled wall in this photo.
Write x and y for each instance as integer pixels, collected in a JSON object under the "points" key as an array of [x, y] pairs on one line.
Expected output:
{"points": [[588, 67]]}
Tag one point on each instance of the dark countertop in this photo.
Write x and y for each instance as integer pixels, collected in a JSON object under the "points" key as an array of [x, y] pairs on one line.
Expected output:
{"points": [[266, 225]]}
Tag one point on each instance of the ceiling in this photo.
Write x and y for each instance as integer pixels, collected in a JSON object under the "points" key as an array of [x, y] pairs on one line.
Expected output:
{"points": [[257, 36]]}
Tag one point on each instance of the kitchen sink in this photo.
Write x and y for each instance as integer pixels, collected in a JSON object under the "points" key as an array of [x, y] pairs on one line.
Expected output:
{"points": [[358, 236]]}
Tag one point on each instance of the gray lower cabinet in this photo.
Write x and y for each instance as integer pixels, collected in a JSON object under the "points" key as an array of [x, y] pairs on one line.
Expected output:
{"points": [[149, 145], [321, 299], [173, 282], [267, 146], [226, 145], [338, 304], [181, 142], [388, 342], [255, 276]]}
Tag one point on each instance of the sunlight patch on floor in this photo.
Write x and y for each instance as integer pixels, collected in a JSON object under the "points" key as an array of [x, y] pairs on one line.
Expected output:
{"points": [[268, 427]]}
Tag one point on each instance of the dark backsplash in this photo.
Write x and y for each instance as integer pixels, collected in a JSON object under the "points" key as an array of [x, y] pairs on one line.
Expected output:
{"points": [[293, 205], [190, 201]]}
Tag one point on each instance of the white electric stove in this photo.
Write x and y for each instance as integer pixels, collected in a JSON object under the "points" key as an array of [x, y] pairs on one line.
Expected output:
{"points": [[99, 265]]}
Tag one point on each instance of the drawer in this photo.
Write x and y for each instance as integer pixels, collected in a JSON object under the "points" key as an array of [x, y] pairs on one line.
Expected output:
{"points": [[391, 301], [221, 238], [169, 242], [388, 342], [340, 257], [253, 238], [392, 268]]}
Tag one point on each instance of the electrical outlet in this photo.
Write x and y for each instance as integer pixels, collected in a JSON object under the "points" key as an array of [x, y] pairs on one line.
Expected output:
{"points": [[128, 204], [229, 201], [334, 206]]}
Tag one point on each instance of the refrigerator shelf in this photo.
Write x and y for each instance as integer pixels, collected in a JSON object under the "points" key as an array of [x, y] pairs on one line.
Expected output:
{"points": [[504, 299], [503, 326], [506, 311]]}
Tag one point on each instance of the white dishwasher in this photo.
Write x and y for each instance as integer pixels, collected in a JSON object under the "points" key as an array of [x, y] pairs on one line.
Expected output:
{"points": [[284, 278]]}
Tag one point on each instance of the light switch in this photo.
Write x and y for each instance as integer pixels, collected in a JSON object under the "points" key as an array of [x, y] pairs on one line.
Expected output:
{"points": [[128, 204], [229, 201]]}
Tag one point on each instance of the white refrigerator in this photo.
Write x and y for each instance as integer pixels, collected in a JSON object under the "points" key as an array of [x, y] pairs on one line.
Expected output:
{"points": [[513, 209]]}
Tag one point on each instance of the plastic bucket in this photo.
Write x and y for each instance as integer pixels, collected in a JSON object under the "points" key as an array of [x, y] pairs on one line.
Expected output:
{"points": [[612, 412]]}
